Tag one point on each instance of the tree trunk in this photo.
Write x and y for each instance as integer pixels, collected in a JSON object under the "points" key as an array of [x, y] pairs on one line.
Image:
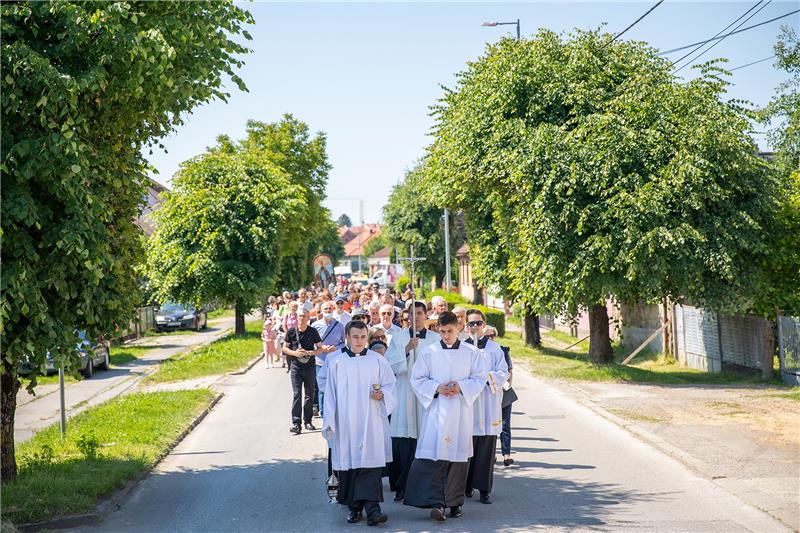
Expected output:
{"points": [[599, 341], [439, 280], [530, 328], [477, 294], [9, 385], [240, 312], [666, 337], [768, 355]]}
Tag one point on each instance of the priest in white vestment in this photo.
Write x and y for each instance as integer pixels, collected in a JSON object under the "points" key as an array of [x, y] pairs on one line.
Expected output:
{"points": [[402, 354], [487, 413], [359, 396], [447, 378]]}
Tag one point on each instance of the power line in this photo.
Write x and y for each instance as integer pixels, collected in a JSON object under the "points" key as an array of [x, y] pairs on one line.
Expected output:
{"points": [[727, 34], [752, 63], [703, 52], [690, 52], [635, 22]]}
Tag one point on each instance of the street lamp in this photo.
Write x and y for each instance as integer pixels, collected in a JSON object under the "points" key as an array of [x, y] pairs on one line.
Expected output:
{"points": [[504, 24]]}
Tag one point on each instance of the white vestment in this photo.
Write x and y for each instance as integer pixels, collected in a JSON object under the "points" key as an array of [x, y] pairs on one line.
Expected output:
{"points": [[356, 426], [446, 432], [487, 413], [406, 419]]}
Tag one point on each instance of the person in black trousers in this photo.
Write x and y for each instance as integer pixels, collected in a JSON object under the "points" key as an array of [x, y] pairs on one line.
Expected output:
{"points": [[300, 345], [505, 433]]}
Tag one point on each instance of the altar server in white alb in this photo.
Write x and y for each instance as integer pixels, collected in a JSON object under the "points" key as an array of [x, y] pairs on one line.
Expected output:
{"points": [[487, 413], [359, 396], [447, 378], [404, 349]]}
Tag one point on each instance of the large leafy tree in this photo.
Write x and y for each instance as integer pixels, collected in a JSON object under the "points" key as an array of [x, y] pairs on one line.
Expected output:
{"points": [[220, 231], [85, 87], [600, 175], [344, 220], [784, 109], [290, 146], [410, 219]]}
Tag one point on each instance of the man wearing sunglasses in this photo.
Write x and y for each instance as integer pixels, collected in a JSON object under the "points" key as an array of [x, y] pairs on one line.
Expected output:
{"points": [[387, 315], [487, 414], [340, 314]]}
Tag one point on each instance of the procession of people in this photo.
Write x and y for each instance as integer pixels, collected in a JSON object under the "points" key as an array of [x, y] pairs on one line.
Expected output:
{"points": [[404, 389]]}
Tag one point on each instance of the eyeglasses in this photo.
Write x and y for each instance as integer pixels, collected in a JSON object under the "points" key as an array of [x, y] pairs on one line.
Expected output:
{"points": [[339, 303], [388, 313], [475, 323], [491, 335]]}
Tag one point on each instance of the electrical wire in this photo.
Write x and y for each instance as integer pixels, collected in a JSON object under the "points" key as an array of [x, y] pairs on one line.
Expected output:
{"points": [[635, 22], [702, 53], [690, 52], [752, 63], [731, 33]]}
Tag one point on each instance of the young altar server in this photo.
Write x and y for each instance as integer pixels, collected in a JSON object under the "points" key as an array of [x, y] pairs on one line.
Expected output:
{"points": [[359, 395], [404, 349], [447, 378], [487, 415]]}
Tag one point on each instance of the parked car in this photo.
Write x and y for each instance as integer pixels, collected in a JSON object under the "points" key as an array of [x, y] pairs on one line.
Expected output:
{"points": [[95, 355], [171, 316]]}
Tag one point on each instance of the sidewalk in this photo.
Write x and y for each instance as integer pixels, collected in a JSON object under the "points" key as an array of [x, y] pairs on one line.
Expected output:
{"points": [[37, 412]]}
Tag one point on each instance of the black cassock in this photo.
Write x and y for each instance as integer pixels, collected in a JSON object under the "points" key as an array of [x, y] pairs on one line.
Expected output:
{"points": [[360, 487], [481, 464], [403, 450], [436, 483]]}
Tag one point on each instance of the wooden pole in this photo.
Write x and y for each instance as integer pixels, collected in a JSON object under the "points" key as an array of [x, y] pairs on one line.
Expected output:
{"points": [[645, 343]]}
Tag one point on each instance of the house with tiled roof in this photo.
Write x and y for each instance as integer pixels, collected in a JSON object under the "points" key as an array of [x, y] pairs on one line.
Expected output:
{"points": [[355, 239]]}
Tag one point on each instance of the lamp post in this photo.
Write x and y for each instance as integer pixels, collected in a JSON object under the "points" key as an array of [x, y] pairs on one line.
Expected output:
{"points": [[504, 24]]}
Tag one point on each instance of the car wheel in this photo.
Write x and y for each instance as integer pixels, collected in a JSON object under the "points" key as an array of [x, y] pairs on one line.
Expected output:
{"points": [[89, 370], [106, 364]]}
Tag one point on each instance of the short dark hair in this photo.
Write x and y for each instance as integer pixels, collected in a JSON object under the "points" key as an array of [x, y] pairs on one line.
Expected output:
{"points": [[421, 304], [474, 311], [354, 324], [447, 318]]}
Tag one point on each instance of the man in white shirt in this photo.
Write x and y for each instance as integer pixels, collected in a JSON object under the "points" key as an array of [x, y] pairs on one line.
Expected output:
{"points": [[447, 378], [487, 412], [387, 314], [331, 331], [340, 314], [303, 300], [359, 396]]}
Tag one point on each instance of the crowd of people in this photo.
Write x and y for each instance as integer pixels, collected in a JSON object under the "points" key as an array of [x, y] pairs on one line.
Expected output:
{"points": [[405, 389]]}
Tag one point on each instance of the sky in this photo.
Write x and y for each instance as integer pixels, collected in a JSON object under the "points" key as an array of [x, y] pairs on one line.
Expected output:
{"points": [[366, 74]]}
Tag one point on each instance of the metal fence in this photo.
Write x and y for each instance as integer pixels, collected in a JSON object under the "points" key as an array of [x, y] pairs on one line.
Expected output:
{"points": [[789, 349], [708, 341], [144, 320]]}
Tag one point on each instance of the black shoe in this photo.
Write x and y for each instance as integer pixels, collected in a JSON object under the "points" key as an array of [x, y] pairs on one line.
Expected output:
{"points": [[437, 513], [399, 495], [353, 517], [379, 518], [456, 511], [508, 461], [309, 426], [296, 429], [469, 493], [486, 497]]}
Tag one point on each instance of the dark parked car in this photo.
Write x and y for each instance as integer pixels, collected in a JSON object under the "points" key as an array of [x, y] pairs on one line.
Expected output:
{"points": [[95, 355], [178, 316]]}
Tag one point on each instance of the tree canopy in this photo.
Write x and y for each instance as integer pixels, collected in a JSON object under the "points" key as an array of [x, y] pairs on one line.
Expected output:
{"points": [[85, 87], [601, 175], [344, 220]]}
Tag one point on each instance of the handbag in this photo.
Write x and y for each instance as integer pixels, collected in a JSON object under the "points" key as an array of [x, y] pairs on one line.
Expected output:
{"points": [[509, 397]]}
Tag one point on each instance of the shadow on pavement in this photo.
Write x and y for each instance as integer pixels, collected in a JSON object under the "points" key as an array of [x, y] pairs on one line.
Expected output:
{"points": [[290, 495]]}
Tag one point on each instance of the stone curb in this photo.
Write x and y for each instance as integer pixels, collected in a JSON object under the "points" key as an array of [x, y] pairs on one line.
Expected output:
{"points": [[247, 368], [118, 498]]}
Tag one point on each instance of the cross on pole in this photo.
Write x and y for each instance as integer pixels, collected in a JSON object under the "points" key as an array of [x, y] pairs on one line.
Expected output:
{"points": [[412, 259]]}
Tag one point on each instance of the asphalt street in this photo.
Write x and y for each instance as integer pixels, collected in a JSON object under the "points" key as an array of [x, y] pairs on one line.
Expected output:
{"points": [[241, 470], [39, 411]]}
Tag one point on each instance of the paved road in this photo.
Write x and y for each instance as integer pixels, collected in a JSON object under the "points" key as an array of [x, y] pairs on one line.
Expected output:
{"points": [[241, 470], [39, 411]]}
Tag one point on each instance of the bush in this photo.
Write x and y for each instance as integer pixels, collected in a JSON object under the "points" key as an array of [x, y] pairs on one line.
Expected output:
{"points": [[400, 284], [89, 445], [452, 298]]}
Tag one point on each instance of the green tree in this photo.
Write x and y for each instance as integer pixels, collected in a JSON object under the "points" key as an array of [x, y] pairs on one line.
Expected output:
{"points": [[375, 244], [344, 220], [601, 175], [220, 231], [85, 87], [289, 145], [785, 106], [412, 220]]}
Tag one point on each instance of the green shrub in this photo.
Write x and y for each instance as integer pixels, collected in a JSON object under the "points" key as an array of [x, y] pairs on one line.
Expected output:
{"points": [[89, 445], [452, 298], [400, 284]]}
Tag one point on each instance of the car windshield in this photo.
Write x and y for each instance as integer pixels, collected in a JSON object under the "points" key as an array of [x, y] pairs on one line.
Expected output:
{"points": [[174, 308]]}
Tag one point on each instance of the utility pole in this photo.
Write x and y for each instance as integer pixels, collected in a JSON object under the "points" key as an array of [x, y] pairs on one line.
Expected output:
{"points": [[446, 248]]}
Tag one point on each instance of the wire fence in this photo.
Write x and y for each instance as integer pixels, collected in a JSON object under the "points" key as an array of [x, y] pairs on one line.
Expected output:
{"points": [[789, 349]]}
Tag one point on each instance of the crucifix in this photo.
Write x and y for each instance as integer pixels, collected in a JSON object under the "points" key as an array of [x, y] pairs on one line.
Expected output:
{"points": [[413, 312]]}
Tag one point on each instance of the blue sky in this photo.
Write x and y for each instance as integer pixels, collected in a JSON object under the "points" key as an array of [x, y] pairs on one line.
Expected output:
{"points": [[366, 73]]}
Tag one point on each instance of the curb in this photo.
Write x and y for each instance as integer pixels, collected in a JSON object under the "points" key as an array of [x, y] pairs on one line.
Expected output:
{"points": [[117, 498], [246, 369]]}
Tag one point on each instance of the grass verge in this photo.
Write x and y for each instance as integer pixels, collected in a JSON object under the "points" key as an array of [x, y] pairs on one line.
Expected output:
{"points": [[106, 446], [220, 313], [224, 355], [648, 367]]}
